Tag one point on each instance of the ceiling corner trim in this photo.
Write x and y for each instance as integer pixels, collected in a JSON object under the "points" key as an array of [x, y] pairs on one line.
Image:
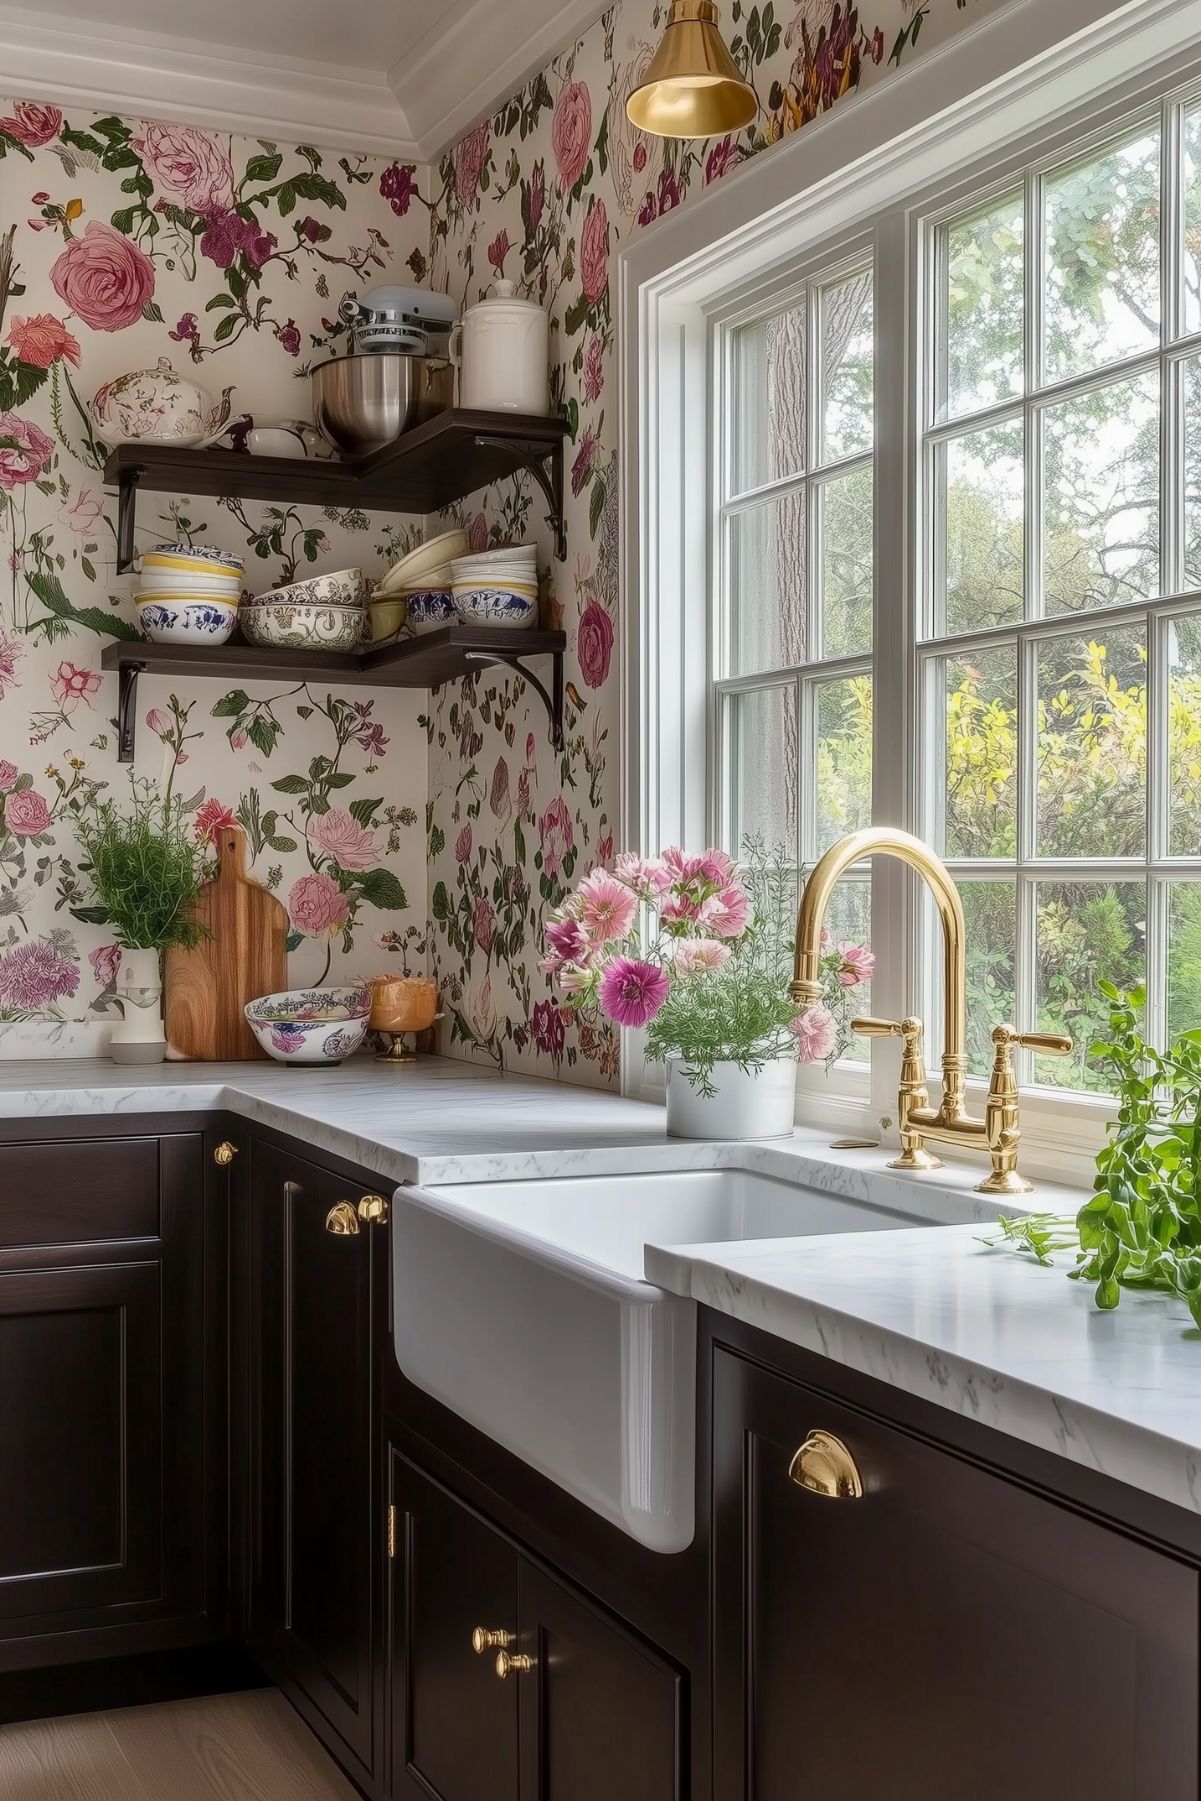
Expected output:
{"points": [[71, 63], [475, 57]]}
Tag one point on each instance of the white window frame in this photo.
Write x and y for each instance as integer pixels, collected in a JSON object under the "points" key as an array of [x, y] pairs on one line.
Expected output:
{"points": [[1005, 93]]}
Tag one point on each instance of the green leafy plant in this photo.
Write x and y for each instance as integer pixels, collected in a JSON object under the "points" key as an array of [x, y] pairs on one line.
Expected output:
{"points": [[1038, 1233], [146, 870], [1142, 1226]]}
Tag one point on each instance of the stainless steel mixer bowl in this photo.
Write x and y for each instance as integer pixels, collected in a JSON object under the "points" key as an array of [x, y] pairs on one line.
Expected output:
{"points": [[363, 402]]}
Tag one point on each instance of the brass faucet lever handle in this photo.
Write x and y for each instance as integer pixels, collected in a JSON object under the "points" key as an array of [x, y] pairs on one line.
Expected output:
{"points": [[1047, 1044], [878, 1028]]}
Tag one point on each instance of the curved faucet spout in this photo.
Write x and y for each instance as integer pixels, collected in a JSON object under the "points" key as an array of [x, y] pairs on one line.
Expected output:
{"points": [[883, 841]]}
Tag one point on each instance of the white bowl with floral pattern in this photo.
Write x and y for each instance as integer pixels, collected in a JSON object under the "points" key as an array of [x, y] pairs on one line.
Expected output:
{"points": [[304, 627], [187, 621], [310, 1025]]}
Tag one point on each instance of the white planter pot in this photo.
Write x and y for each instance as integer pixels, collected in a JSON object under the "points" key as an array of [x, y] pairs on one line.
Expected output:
{"points": [[138, 1037], [747, 1104]]}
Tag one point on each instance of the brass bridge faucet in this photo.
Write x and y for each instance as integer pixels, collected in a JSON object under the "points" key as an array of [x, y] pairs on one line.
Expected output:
{"points": [[999, 1132]]}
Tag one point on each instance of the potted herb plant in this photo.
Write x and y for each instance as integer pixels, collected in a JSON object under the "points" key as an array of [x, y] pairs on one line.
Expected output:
{"points": [[698, 952], [146, 871]]}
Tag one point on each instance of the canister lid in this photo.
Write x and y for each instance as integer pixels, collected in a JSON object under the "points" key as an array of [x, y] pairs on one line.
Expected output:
{"points": [[504, 294]]}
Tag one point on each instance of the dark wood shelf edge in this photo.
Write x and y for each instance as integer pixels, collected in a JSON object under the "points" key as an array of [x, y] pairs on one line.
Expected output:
{"points": [[431, 466], [447, 655]]}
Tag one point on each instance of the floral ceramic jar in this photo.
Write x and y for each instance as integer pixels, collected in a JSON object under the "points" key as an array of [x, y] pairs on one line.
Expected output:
{"points": [[158, 406]]}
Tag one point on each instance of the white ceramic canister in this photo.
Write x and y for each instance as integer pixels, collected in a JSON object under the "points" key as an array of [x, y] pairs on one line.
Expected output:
{"points": [[501, 349], [746, 1103]]}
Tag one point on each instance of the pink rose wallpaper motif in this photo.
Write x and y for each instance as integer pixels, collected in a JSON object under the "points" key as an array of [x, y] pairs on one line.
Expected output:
{"points": [[551, 186], [123, 241]]}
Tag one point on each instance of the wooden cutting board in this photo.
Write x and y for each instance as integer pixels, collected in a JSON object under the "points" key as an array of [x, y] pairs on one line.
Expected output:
{"points": [[205, 989]]}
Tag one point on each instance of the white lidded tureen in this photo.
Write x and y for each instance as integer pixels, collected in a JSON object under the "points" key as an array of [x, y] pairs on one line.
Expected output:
{"points": [[158, 406]]}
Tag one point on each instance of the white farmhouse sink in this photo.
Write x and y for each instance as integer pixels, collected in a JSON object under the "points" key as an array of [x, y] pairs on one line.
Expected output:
{"points": [[522, 1306]]}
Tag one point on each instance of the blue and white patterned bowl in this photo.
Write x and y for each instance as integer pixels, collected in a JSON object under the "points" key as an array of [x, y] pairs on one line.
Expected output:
{"points": [[310, 1025], [187, 621], [428, 608], [496, 605]]}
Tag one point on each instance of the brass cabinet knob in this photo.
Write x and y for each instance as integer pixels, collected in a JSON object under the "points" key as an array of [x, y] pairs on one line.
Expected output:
{"points": [[342, 1220], [517, 1662], [224, 1154], [374, 1207], [824, 1466], [482, 1640]]}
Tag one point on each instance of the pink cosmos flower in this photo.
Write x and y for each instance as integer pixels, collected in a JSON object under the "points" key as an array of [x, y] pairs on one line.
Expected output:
{"points": [[727, 914], [213, 817], [858, 964], [631, 992], [606, 907], [70, 684], [36, 974], [317, 906], [341, 837], [574, 978], [692, 956], [106, 963], [711, 866], [566, 940], [25, 450], [8, 774], [815, 1031], [26, 813], [41, 340], [571, 133], [104, 277], [645, 875]]}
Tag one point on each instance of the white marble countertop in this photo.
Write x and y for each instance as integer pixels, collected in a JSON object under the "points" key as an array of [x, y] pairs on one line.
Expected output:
{"points": [[985, 1332], [928, 1309]]}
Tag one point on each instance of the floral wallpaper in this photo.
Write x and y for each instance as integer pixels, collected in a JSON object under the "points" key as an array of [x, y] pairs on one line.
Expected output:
{"points": [[544, 192], [121, 242]]}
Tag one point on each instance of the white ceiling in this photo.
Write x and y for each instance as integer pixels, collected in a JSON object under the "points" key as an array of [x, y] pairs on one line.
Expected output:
{"points": [[400, 77]]}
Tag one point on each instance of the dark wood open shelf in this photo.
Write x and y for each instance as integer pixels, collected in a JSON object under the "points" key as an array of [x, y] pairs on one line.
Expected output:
{"points": [[446, 655], [430, 467]]}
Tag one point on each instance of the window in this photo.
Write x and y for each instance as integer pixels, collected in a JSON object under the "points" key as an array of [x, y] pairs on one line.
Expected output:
{"points": [[957, 376], [793, 697], [1059, 694]]}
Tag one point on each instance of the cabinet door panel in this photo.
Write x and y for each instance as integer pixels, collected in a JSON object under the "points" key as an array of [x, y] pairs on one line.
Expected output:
{"points": [[85, 1191], [454, 1721], [948, 1634], [313, 1388], [601, 1714], [80, 1439]]}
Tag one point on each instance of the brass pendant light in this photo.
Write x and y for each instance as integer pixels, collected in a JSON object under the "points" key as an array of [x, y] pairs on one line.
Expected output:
{"points": [[693, 88]]}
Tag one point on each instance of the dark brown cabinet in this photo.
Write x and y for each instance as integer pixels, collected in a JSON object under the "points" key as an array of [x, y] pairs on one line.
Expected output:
{"points": [[313, 1532], [559, 1703], [103, 1349], [949, 1633]]}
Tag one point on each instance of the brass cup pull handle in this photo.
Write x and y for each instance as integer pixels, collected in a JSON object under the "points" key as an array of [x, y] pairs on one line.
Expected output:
{"points": [[517, 1663], [374, 1207], [482, 1640], [824, 1466], [224, 1154], [342, 1220]]}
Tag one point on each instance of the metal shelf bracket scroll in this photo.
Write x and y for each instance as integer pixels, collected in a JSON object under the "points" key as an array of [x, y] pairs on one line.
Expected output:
{"points": [[552, 699], [127, 708], [127, 512], [546, 466]]}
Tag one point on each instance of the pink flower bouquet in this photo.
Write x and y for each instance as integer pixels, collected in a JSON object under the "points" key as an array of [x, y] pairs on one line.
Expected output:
{"points": [[697, 951]]}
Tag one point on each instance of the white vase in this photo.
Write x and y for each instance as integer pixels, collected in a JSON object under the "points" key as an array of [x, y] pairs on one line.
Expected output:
{"points": [[747, 1103], [138, 1036]]}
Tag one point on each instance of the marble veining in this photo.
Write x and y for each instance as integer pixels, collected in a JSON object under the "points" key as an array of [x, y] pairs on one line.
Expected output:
{"points": [[983, 1332]]}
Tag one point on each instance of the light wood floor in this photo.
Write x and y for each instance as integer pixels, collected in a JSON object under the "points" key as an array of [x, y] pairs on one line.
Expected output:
{"points": [[249, 1747]]}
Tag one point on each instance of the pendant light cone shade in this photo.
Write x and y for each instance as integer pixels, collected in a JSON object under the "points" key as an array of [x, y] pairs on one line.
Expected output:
{"points": [[693, 88]]}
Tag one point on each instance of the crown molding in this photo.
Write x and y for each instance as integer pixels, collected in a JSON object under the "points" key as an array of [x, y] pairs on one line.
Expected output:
{"points": [[459, 69], [45, 56], [475, 56]]}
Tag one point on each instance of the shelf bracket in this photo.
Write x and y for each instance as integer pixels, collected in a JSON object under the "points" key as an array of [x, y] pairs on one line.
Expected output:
{"points": [[546, 467], [127, 511], [127, 709], [552, 699]]}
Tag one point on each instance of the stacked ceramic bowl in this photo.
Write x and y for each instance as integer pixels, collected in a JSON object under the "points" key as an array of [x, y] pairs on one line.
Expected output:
{"points": [[325, 612], [416, 590], [189, 593], [497, 587]]}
